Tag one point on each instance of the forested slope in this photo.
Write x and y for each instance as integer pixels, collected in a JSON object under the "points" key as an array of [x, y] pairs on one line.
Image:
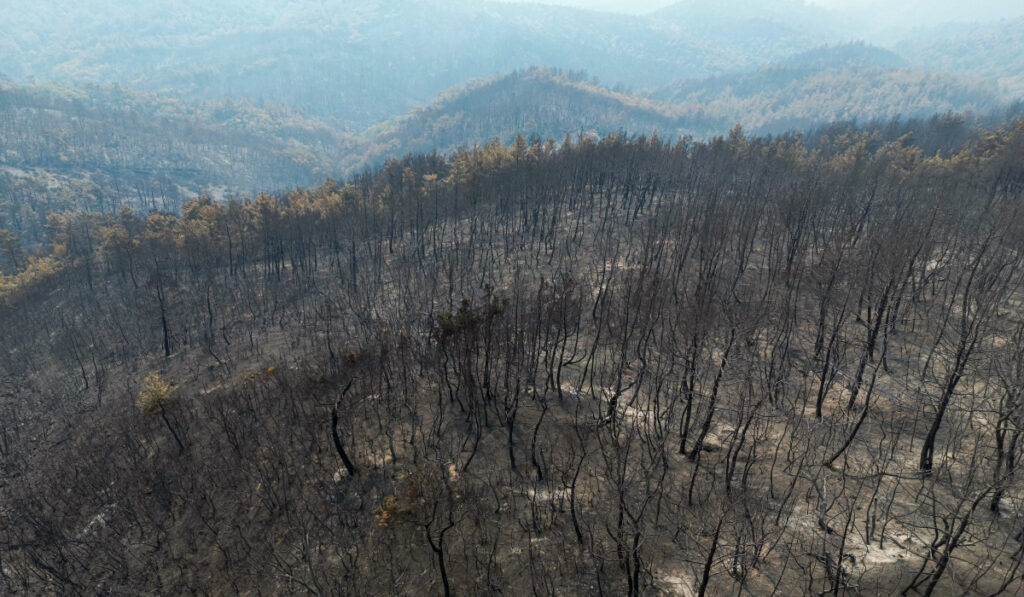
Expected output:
{"points": [[991, 50], [102, 147], [97, 148], [618, 366], [843, 83], [364, 62], [541, 103], [852, 82], [369, 60]]}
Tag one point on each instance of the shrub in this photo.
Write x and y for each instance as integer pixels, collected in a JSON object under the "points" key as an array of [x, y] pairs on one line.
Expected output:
{"points": [[154, 394]]}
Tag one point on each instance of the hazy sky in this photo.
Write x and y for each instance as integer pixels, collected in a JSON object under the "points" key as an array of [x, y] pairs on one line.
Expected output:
{"points": [[950, 9], [629, 6], [642, 6]]}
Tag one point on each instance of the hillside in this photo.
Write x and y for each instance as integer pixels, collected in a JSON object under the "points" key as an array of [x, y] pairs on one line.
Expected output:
{"points": [[843, 83], [768, 29], [98, 148], [620, 366], [848, 82], [674, 298], [540, 103], [358, 64], [990, 50], [368, 61]]}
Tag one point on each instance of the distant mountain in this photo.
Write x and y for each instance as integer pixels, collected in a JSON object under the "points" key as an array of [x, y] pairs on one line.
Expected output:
{"points": [[992, 50], [367, 61], [852, 55], [96, 148], [752, 32], [888, 22], [541, 103], [837, 83], [356, 63], [847, 82], [797, 12], [774, 28]]}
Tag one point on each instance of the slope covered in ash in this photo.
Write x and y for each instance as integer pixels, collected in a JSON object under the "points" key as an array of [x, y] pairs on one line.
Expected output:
{"points": [[625, 366]]}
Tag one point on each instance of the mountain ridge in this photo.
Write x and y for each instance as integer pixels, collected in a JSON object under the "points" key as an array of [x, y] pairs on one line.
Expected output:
{"points": [[157, 151]]}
